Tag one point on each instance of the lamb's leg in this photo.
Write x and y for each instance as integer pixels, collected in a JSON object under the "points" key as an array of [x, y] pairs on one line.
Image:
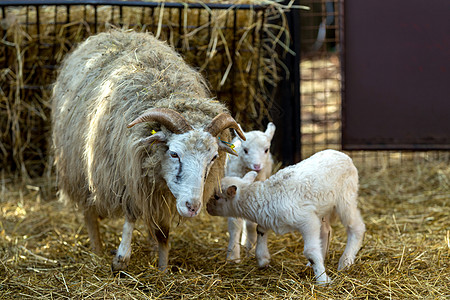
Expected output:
{"points": [[325, 235], [234, 248], [91, 220], [162, 235], [120, 261], [313, 250], [249, 236], [353, 222], [261, 251]]}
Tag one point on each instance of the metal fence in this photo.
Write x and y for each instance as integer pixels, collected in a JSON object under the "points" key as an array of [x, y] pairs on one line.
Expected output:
{"points": [[234, 46], [237, 47]]}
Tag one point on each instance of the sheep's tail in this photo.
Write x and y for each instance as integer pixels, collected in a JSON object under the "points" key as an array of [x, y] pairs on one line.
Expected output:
{"points": [[346, 206]]}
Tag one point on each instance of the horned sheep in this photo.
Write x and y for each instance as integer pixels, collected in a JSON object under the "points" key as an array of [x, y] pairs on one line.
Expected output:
{"points": [[149, 171], [304, 197], [253, 155]]}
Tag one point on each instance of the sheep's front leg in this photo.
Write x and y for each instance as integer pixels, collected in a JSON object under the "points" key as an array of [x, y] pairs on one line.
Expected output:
{"points": [[120, 261], [261, 251], [91, 220], [313, 249], [249, 236], [162, 235], [234, 249]]}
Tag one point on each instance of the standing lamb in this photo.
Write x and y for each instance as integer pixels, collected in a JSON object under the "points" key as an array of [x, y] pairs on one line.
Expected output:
{"points": [[253, 155], [150, 172], [304, 197]]}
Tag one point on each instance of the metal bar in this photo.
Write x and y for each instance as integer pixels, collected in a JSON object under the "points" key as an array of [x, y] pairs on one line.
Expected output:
{"points": [[95, 19], [233, 54], [130, 3]]}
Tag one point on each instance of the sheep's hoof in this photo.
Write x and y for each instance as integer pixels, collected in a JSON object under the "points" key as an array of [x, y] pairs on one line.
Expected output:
{"points": [[119, 263], [234, 258], [345, 262], [323, 280], [263, 264]]}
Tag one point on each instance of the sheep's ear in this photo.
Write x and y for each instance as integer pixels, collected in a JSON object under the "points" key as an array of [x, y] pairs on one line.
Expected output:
{"points": [[231, 190], [270, 130], [158, 137], [250, 176], [227, 147]]}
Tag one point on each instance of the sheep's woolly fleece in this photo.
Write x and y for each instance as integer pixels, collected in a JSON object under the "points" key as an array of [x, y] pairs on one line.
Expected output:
{"points": [[105, 83]]}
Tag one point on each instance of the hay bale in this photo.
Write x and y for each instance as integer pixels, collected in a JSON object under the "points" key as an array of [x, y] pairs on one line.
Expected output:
{"points": [[239, 62]]}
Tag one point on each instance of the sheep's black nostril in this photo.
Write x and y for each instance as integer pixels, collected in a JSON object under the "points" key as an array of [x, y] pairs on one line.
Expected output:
{"points": [[216, 197], [191, 208]]}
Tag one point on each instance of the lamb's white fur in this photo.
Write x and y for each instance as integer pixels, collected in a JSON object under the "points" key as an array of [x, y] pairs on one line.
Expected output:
{"points": [[253, 155], [303, 197]]}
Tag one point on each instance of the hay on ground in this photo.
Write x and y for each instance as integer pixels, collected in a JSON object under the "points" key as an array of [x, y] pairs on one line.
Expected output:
{"points": [[44, 249]]}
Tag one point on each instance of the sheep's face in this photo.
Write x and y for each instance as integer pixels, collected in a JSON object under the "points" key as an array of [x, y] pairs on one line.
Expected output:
{"points": [[185, 167], [225, 201], [254, 151]]}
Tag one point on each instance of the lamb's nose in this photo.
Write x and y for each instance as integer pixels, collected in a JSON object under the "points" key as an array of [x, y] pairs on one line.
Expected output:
{"points": [[193, 208], [257, 167]]}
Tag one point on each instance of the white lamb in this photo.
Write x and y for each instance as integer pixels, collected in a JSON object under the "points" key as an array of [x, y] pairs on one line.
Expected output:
{"points": [[253, 155], [304, 197]]}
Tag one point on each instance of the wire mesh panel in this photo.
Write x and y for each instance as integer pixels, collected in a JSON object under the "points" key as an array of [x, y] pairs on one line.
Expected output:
{"points": [[234, 46], [321, 78]]}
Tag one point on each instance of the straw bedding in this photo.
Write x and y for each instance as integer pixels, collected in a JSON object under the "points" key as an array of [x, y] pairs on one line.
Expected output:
{"points": [[44, 251]]}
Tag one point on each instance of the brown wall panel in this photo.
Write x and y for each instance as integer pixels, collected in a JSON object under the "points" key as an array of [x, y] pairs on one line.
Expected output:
{"points": [[396, 74]]}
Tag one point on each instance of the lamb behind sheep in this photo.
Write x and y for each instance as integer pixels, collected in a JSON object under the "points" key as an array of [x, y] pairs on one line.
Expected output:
{"points": [[253, 155], [148, 172], [304, 197]]}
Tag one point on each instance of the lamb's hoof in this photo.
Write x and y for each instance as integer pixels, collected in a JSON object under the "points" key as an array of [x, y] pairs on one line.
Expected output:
{"points": [[263, 264], [119, 263], [323, 280], [345, 262], [233, 258], [164, 269]]}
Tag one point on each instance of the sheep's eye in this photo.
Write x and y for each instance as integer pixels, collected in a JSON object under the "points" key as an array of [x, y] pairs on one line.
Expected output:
{"points": [[245, 150], [214, 158], [216, 197], [173, 154], [267, 150]]}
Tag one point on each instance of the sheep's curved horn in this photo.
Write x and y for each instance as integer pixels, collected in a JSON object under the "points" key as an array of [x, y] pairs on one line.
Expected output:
{"points": [[171, 119], [221, 122]]}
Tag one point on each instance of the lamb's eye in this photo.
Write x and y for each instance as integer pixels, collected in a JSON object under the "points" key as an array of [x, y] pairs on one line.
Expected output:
{"points": [[245, 150], [267, 150], [173, 154], [214, 158]]}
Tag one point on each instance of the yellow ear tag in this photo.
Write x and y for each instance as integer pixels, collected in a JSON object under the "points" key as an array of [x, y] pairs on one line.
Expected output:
{"points": [[153, 132]]}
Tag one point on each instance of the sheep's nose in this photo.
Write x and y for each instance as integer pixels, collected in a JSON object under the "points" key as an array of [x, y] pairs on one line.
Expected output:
{"points": [[256, 167], [192, 208]]}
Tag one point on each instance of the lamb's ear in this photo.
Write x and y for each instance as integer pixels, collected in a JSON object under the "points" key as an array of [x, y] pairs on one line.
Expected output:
{"points": [[158, 137], [227, 147], [250, 176], [231, 190], [270, 130]]}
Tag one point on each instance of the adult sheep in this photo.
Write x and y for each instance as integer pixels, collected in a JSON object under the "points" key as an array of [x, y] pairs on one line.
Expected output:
{"points": [[148, 172]]}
